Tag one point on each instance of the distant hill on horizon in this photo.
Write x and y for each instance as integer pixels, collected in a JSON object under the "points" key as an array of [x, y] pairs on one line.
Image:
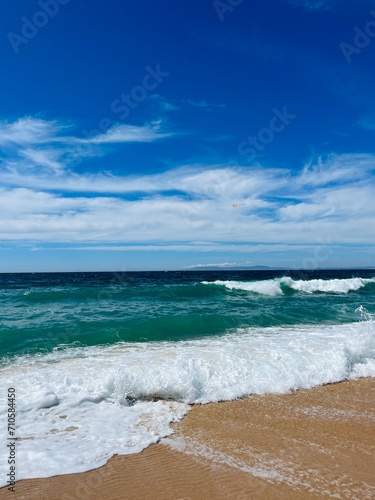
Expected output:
{"points": [[267, 268], [233, 268]]}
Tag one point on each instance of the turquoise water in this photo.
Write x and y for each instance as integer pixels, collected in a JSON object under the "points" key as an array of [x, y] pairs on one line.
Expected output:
{"points": [[92, 357], [40, 312]]}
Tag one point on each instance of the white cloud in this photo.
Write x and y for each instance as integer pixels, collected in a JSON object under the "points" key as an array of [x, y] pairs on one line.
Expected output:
{"points": [[44, 157], [202, 181], [331, 197], [192, 247], [46, 144], [216, 264], [35, 148], [203, 210], [35, 131], [338, 169], [130, 133], [29, 131]]}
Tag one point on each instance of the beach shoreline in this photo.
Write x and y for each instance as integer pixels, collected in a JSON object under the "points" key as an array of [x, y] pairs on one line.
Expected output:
{"points": [[316, 443]]}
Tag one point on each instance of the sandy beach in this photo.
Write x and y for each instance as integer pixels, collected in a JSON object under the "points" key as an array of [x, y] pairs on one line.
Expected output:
{"points": [[317, 443]]}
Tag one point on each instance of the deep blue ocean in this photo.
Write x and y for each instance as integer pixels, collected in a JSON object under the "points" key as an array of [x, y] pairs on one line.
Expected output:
{"points": [[85, 349]]}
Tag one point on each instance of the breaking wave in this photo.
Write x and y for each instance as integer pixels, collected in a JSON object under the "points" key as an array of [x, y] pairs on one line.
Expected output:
{"points": [[285, 285]]}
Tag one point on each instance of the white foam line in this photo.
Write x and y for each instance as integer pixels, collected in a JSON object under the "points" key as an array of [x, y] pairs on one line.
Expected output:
{"points": [[190, 447], [275, 470], [335, 414]]}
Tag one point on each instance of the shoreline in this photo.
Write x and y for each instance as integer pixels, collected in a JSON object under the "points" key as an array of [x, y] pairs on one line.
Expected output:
{"points": [[315, 443]]}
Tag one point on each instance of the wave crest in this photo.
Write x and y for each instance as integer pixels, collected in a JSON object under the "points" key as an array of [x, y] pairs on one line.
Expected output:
{"points": [[282, 286]]}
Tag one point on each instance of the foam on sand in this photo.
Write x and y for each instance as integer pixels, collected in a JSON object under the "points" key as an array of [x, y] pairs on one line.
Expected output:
{"points": [[78, 407]]}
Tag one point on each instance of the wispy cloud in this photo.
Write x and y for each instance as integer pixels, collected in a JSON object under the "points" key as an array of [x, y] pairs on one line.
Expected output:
{"points": [[131, 133], [314, 4], [34, 131], [29, 131], [162, 103], [43, 200], [368, 122], [191, 246], [49, 145], [336, 169], [44, 157], [204, 104], [222, 265]]}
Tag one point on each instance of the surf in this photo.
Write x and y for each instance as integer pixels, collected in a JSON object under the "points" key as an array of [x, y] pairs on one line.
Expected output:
{"points": [[281, 286], [73, 401]]}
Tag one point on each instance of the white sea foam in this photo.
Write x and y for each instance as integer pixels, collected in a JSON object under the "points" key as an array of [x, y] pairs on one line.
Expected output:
{"points": [[78, 407], [333, 286], [277, 286], [266, 287]]}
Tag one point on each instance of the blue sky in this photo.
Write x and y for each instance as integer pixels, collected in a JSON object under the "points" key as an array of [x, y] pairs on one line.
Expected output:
{"points": [[166, 135]]}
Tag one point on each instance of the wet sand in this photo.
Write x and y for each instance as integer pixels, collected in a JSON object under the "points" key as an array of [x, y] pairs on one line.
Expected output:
{"points": [[318, 443]]}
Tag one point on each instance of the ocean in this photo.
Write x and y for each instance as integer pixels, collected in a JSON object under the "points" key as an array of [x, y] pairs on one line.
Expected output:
{"points": [[102, 363]]}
